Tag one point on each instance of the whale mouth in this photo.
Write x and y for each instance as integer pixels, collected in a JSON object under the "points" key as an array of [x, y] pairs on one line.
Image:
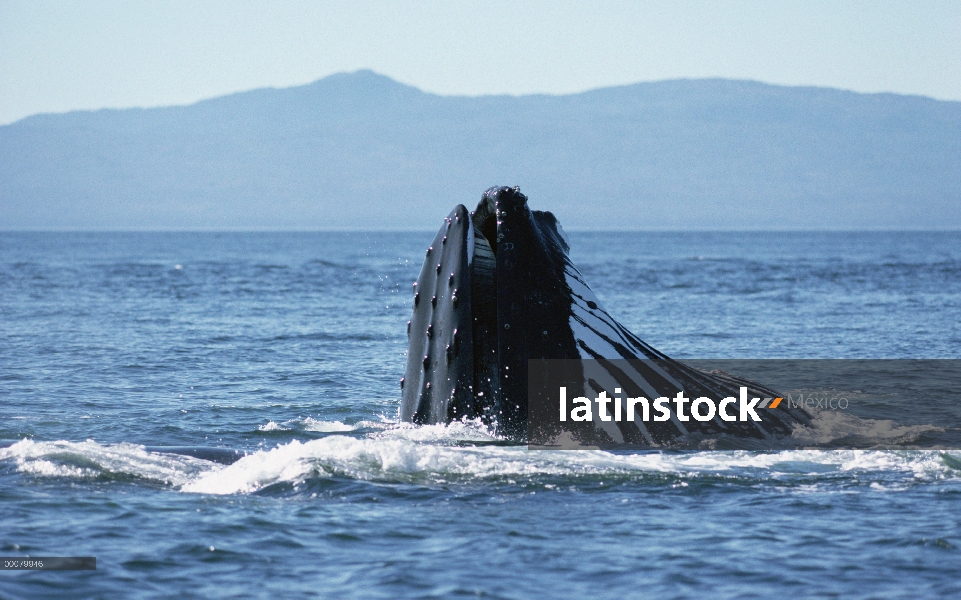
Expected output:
{"points": [[497, 267], [498, 289]]}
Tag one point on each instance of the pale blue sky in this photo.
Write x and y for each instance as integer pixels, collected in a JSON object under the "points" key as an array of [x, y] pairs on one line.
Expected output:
{"points": [[59, 56]]}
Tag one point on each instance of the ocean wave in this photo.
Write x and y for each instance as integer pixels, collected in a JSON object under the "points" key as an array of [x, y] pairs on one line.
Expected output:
{"points": [[320, 426], [271, 426], [432, 455], [406, 461], [466, 430], [311, 424], [91, 460]]}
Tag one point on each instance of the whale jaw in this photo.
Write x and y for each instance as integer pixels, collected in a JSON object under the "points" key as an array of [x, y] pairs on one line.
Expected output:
{"points": [[438, 383]]}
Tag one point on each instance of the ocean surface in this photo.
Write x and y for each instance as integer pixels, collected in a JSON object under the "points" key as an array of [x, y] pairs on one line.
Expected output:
{"points": [[285, 350]]}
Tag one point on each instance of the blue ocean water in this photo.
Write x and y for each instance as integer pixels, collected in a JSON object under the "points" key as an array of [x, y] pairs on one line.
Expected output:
{"points": [[287, 348]]}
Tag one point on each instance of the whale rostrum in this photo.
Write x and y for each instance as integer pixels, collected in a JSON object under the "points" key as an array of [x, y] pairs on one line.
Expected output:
{"points": [[498, 288]]}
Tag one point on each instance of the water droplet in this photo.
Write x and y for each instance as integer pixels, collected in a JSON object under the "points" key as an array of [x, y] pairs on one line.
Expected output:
{"points": [[507, 325], [401, 383], [438, 268], [416, 298], [430, 331], [545, 332], [433, 301], [450, 280], [426, 362]]}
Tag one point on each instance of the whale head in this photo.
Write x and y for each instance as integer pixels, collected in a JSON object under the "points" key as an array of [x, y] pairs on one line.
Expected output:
{"points": [[492, 294]]}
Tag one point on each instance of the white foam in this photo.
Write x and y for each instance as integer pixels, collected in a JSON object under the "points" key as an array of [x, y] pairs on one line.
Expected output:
{"points": [[376, 459], [310, 424], [437, 454], [465, 430], [403, 460], [89, 459], [271, 426]]}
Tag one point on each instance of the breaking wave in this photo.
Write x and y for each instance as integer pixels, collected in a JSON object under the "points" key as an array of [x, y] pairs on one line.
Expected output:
{"points": [[90, 460], [465, 453]]}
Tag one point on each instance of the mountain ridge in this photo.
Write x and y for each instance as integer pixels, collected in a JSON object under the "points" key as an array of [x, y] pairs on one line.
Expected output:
{"points": [[360, 150]]}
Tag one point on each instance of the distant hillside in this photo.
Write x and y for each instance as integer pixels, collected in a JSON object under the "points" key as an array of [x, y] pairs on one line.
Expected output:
{"points": [[360, 150]]}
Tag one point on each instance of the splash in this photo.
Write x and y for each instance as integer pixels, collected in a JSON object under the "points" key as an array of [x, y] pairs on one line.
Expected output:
{"points": [[467, 453], [271, 426], [310, 424], [90, 460]]}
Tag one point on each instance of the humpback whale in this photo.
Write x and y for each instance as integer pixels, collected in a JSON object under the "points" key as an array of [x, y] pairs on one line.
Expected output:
{"points": [[498, 289]]}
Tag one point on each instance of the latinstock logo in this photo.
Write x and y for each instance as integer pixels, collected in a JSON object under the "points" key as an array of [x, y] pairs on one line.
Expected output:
{"points": [[659, 409], [744, 404]]}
